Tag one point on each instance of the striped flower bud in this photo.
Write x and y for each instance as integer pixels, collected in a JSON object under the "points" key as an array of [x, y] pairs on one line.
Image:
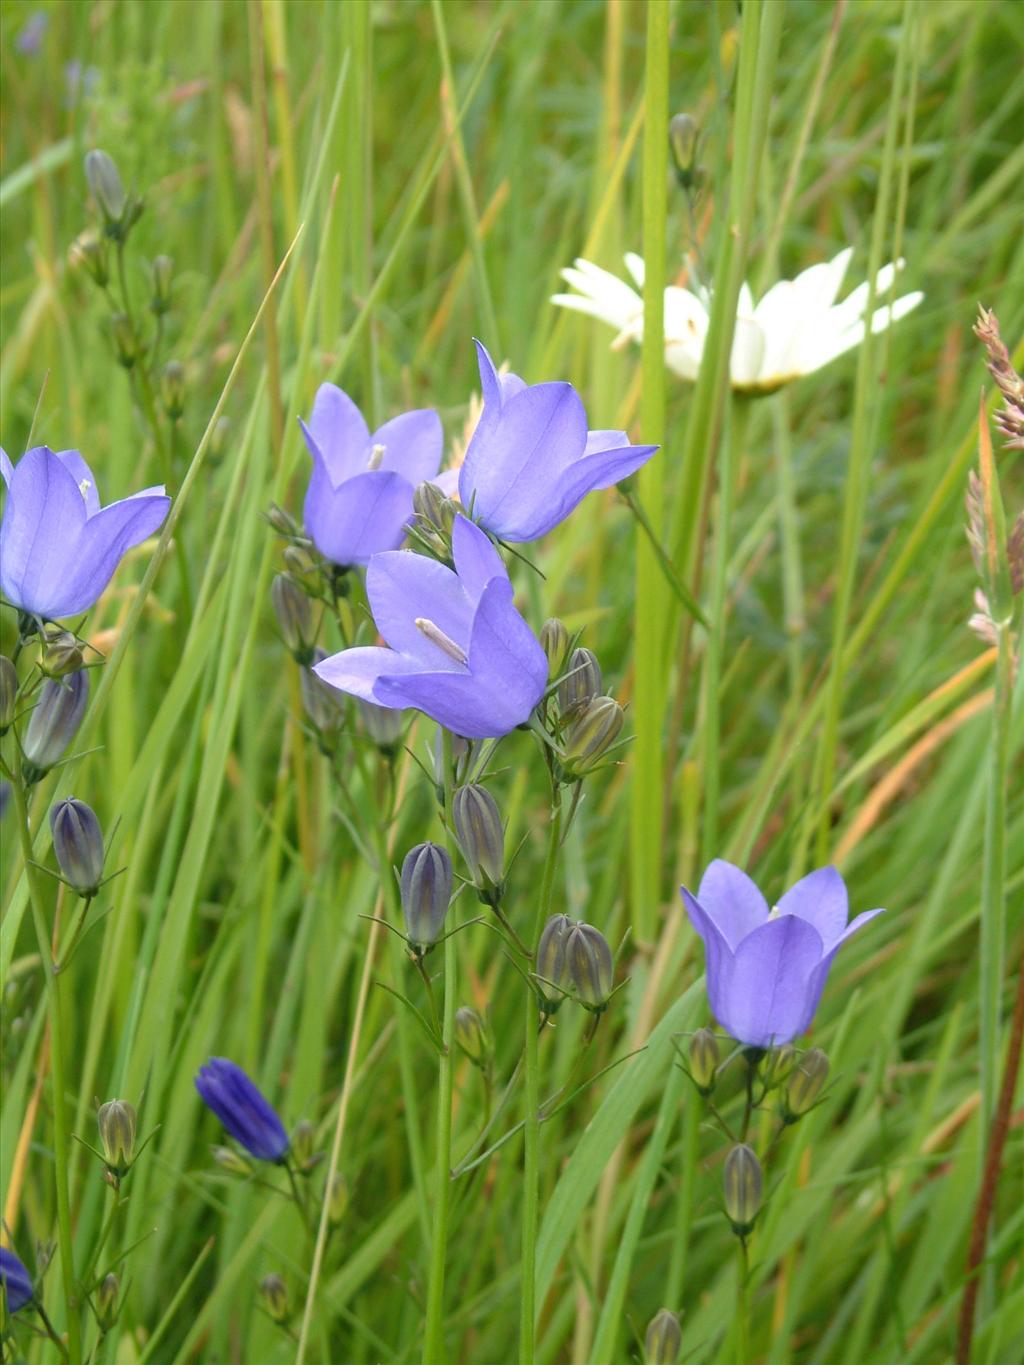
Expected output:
{"points": [[682, 137], [54, 722], [337, 1199], [552, 964], [382, 724], [471, 1035], [106, 1300], [117, 1121], [426, 893], [555, 641], [60, 653], [89, 253], [163, 274], [704, 1058], [591, 736], [433, 510], [664, 1339], [582, 681], [481, 837], [742, 1188], [78, 845], [805, 1085], [172, 389], [8, 693], [294, 613], [274, 1293], [590, 965], [232, 1161], [778, 1065], [122, 333], [106, 187], [303, 1142]]}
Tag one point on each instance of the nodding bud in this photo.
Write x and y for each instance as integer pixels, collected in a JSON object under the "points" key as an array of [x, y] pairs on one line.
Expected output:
{"points": [[552, 965], [663, 1340], [582, 681], [163, 274], [106, 1300], [436, 512], [591, 735], [683, 135], [778, 1065], [303, 1141], [555, 641], [59, 653], [382, 724], [54, 722], [8, 693], [123, 333], [742, 1186], [274, 1293], [302, 567], [704, 1058], [282, 522], [426, 893], [106, 187], [172, 389], [591, 969], [337, 1198], [232, 1161], [471, 1035], [116, 1121], [89, 253], [78, 845], [294, 613], [805, 1085], [481, 836], [324, 706]]}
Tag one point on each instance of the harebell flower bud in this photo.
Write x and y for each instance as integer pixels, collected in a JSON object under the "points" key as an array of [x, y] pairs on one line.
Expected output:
{"points": [[117, 1122], [805, 1085], [274, 1293], [243, 1109], [663, 1340], [78, 845], [481, 837], [54, 722], [590, 966], [426, 886], [552, 964], [742, 1188], [704, 1058]]}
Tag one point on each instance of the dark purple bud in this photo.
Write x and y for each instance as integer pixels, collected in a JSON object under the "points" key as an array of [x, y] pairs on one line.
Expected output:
{"points": [[172, 389], [481, 836], [552, 964], [582, 681], [294, 614], [805, 1085], [117, 1122], [704, 1058], [54, 722], [78, 844], [8, 693], [60, 653], [591, 736], [742, 1188], [471, 1035], [245, 1113], [590, 965], [555, 641], [163, 274], [381, 724], [274, 1293], [663, 1340], [426, 894], [15, 1281], [106, 187]]}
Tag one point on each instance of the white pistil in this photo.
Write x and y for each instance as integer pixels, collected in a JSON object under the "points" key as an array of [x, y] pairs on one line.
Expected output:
{"points": [[773, 913], [436, 636], [376, 455], [84, 487]]}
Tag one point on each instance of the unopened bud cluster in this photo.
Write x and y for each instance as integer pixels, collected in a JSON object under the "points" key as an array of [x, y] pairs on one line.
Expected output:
{"points": [[588, 722], [573, 961]]}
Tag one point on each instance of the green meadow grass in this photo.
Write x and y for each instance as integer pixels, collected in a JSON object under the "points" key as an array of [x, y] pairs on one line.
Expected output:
{"points": [[430, 168]]}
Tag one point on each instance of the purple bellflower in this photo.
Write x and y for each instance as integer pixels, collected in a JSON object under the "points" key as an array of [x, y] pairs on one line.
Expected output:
{"points": [[248, 1117], [58, 547], [531, 460], [359, 499], [15, 1281], [459, 650], [766, 968]]}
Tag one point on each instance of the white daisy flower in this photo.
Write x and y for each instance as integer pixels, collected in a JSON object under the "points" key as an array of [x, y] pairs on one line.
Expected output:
{"points": [[796, 328]]}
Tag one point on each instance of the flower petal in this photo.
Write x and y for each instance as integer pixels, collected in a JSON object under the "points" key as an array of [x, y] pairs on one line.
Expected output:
{"points": [[732, 901], [413, 444], [361, 517], [821, 899], [43, 519], [476, 559], [820, 974], [748, 351], [600, 469], [504, 654], [106, 537], [770, 996], [340, 432], [357, 671], [83, 476], [717, 952], [455, 700], [403, 586]]}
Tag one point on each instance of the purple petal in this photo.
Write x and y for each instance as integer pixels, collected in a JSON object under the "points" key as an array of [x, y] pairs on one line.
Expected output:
{"points": [[504, 654], [43, 519], [403, 586], [6, 468], [476, 559], [455, 700], [732, 901], [770, 997], [83, 476], [598, 470], [357, 671], [363, 516], [448, 482], [718, 954], [337, 428], [107, 536], [820, 975], [413, 443], [820, 898]]}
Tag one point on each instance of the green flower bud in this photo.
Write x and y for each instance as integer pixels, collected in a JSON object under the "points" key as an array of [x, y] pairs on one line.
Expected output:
{"points": [[294, 614], [163, 274], [8, 693], [302, 567], [591, 735], [172, 389], [89, 253], [434, 511], [106, 187], [232, 1161], [337, 1199], [426, 894], [481, 837], [382, 724], [582, 681], [805, 1085], [742, 1188], [59, 653], [54, 722], [274, 1293], [117, 1121], [78, 845], [704, 1058], [219, 437], [778, 1065], [552, 964], [555, 641], [683, 136], [123, 334], [282, 522], [664, 1339], [591, 969], [106, 1300], [471, 1035], [303, 1142]]}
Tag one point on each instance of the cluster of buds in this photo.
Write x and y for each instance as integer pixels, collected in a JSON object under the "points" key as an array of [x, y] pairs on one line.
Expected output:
{"points": [[431, 526], [586, 722], [574, 961]]}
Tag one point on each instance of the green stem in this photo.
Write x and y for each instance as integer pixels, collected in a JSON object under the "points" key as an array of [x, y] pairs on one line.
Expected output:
{"points": [[62, 1162], [743, 1307], [531, 1130], [433, 1346]]}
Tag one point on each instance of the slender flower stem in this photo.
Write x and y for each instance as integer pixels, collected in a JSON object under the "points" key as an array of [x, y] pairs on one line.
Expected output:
{"points": [[433, 1346], [62, 1163], [51, 1331], [742, 1306], [531, 1141]]}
